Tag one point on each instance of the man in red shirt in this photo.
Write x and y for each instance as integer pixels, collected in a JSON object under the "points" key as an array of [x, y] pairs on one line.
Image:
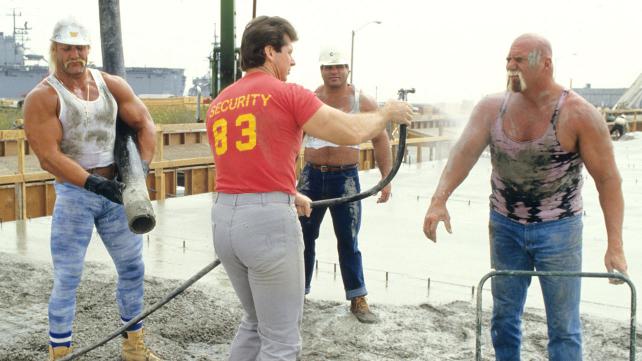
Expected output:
{"points": [[255, 128]]}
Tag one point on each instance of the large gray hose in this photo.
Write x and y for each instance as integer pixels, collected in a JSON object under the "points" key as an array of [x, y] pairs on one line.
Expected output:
{"points": [[138, 207]]}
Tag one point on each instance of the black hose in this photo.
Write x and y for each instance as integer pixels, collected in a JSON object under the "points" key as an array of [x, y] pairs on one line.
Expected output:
{"points": [[145, 313], [322, 203], [401, 150]]}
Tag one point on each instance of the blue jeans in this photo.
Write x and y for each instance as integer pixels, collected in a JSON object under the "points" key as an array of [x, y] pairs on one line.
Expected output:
{"points": [[545, 246], [346, 219], [75, 213]]}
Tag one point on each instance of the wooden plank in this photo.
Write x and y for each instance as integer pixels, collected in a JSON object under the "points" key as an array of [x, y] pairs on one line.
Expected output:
{"points": [[10, 148], [50, 197], [174, 101], [196, 180], [28, 177], [157, 186], [173, 138], [158, 154], [184, 162], [20, 191], [36, 200], [38, 176], [21, 156], [211, 179], [8, 204], [12, 134], [170, 182], [191, 138], [182, 127]]}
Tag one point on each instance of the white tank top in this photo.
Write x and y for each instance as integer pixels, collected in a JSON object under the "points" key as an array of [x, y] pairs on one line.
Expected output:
{"points": [[316, 143], [89, 127]]}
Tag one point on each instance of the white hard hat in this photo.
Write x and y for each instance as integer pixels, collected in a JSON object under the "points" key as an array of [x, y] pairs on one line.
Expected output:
{"points": [[69, 31], [332, 56]]}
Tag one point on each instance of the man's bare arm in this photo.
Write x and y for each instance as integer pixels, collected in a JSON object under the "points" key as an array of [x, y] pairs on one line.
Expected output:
{"points": [[380, 143], [133, 112], [44, 133], [463, 156], [596, 150], [346, 129], [381, 146]]}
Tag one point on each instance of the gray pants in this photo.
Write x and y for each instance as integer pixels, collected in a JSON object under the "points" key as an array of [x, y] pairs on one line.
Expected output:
{"points": [[258, 239]]}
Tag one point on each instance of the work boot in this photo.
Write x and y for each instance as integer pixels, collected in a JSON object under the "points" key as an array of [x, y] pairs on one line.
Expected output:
{"points": [[359, 307], [134, 348], [56, 353]]}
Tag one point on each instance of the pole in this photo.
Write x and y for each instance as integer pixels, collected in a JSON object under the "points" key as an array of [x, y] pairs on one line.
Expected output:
{"points": [[111, 37], [352, 57], [354, 31], [139, 210], [227, 44]]}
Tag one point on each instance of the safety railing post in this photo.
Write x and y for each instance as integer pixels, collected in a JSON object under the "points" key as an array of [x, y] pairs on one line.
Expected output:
{"points": [[619, 276]]}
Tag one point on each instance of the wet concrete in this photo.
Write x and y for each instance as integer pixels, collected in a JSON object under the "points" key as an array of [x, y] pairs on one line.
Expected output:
{"points": [[200, 324]]}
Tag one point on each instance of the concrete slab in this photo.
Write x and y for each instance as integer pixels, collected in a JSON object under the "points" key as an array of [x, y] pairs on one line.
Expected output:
{"points": [[391, 240]]}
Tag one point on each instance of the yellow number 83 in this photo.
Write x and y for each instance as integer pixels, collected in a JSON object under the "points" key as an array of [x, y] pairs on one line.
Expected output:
{"points": [[247, 122]]}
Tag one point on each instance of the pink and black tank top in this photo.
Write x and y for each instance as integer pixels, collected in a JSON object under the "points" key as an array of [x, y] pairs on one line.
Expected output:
{"points": [[536, 180]]}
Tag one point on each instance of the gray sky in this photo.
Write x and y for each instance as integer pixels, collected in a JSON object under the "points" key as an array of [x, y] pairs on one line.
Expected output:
{"points": [[448, 50]]}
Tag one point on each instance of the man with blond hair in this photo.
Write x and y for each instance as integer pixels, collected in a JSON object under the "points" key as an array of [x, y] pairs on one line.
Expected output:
{"points": [[70, 122]]}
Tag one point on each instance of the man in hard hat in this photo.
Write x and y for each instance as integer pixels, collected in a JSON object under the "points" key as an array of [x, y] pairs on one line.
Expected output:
{"points": [[70, 122], [331, 171], [540, 136]]}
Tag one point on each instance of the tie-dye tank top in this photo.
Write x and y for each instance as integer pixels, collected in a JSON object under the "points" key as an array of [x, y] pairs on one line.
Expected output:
{"points": [[536, 180]]}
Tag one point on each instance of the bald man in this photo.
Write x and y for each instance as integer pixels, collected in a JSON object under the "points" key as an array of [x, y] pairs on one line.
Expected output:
{"points": [[540, 136]]}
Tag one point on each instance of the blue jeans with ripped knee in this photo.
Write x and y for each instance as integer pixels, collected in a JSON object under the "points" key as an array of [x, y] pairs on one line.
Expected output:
{"points": [[544, 246], [75, 214], [346, 219]]}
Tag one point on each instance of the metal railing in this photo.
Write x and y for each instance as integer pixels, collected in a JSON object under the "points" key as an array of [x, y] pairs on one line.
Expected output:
{"points": [[555, 274]]}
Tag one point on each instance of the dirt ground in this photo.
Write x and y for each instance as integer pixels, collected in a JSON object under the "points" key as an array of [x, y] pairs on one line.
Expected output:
{"points": [[200, 324]]}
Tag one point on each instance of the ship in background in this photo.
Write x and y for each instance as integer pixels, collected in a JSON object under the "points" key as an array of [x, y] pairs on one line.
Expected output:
{"points": [[20, 72]]}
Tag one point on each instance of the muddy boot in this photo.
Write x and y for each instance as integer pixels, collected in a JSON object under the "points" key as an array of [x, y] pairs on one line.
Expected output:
{"points": [[134, 348], [359, 307], [56, 353]]}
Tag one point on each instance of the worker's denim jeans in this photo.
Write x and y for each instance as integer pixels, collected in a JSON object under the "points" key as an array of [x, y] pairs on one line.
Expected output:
{"points": [[75, 213], [346, 219], [545, 246]]}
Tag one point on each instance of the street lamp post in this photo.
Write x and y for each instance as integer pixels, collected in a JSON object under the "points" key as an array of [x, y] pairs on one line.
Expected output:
{"points": [[352, 45]]}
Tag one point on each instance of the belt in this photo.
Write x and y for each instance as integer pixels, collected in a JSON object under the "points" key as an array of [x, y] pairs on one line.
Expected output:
{"points": [[108, 172], [253, 198], [333, 168]]}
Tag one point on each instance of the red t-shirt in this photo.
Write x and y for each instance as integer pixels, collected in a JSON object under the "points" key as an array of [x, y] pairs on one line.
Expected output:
{"points": [[254, 130]]}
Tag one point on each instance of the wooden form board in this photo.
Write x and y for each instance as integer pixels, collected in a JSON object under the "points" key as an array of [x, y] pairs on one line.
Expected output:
{"points": [[28, 195]]}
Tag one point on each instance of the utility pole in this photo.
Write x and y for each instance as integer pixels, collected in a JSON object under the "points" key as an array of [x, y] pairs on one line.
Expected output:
{"points": [[227, 62], [111, 37]]}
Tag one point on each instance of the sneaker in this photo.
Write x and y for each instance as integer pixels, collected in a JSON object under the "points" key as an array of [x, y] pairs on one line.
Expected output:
{"points": [[134, 348], [56, 353], [359, 308]]}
